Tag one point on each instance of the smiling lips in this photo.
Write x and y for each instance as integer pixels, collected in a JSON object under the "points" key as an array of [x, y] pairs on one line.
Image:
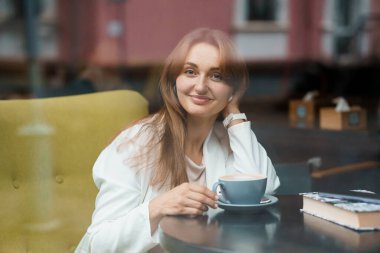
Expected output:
{"points": [[200, 100]]}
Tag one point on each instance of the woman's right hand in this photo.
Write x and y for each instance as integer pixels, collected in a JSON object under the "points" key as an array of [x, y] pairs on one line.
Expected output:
{"points": [[185, 199]]}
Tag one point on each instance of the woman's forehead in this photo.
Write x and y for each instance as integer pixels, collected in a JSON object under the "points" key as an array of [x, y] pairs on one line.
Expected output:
{"points": [[203, 53]]}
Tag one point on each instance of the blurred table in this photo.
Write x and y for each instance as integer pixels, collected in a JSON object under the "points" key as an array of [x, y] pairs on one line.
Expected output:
{"points": [[280, 228]]}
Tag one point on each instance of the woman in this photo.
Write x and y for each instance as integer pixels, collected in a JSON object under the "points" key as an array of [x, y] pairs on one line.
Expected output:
{"points": [[166, 164]]}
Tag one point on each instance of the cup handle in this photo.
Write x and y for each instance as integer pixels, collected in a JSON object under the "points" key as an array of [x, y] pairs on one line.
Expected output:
{"points": [[221, 196]]}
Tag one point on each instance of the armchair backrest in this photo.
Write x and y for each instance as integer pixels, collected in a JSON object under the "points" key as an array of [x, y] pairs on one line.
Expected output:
{"points": [[47, 150]]}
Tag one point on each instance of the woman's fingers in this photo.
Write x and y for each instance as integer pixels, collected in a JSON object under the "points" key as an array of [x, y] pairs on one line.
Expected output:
{"points": [[203, 191], [186, 206], [202, 199], [187, 199], [186, 211], [195, 197], [202, 195], [196, 205]]}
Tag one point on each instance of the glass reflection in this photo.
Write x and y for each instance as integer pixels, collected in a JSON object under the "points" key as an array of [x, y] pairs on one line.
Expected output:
{"points": [[238, 231], [339, 236]]}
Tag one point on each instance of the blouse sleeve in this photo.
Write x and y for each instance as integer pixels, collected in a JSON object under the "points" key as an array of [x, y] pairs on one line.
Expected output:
{"points": [[249, 156], [120, 222]]}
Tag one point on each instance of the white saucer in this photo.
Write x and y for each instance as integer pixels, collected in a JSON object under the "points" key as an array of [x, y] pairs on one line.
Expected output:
{"points": [[249, 207]]}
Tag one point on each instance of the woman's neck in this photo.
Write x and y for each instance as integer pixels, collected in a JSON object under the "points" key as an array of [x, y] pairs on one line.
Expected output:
{"points": [[197, 132]]}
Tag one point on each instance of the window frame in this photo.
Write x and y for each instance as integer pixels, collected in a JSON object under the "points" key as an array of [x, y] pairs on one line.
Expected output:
{"points": [[242, 24]]}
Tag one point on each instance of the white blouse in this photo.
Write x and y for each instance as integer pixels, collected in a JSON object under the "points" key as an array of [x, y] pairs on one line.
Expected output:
{"points": [[120, 222]]}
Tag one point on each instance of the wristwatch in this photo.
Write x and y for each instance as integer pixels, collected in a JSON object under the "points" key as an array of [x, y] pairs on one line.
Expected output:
{"points": [[233, 116]]}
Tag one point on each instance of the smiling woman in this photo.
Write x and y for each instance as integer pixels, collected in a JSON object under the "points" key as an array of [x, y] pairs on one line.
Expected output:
{"points": [[201, 89], [166, 164]]}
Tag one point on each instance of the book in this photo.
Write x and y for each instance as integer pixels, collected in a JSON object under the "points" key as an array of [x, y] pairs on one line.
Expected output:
{"points": [[351, 210]]}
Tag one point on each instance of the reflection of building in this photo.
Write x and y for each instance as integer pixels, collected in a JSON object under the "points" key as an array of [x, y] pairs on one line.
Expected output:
{"points": [[140, 33], [312, 29], [12, 39]]}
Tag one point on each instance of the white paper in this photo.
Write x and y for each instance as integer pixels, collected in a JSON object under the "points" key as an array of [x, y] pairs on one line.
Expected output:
{"points": [[310, 95], [341, 104]]}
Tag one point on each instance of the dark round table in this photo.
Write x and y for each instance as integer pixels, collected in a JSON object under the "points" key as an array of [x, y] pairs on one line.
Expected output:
{"points": [[279, 228]]}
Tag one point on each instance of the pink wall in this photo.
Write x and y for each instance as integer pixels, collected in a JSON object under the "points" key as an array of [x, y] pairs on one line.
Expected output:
{"points": [[305, 29], [375, 29], [152, 27], [76, 26]]}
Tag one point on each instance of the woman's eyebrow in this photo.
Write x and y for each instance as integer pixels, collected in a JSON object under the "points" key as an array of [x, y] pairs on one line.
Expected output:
{"points": [[196, 66], [191, 64]]}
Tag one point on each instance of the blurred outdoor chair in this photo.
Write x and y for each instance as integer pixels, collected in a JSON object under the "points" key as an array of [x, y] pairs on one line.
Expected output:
{"points": [[48, 147], [296, 177], [362, 175]]}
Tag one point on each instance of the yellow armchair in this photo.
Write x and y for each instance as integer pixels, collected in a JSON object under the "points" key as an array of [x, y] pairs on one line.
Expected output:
{"points": [[47, 149]]}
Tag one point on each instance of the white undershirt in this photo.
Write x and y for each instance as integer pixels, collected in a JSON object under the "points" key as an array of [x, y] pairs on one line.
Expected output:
{"points": [[195, 172]]}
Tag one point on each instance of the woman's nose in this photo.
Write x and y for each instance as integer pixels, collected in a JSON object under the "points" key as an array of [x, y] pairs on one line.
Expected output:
{"points": [[201, 84]]}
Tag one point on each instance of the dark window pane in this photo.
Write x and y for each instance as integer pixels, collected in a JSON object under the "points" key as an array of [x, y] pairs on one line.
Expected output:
{"points": [[262, 10], [344, 10]]}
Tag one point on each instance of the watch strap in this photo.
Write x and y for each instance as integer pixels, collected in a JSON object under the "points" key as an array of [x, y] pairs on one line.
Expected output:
{"points": [[233, 116]]}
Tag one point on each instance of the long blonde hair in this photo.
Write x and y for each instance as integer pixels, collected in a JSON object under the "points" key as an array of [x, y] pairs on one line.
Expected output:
{"points": [[167, 127]]}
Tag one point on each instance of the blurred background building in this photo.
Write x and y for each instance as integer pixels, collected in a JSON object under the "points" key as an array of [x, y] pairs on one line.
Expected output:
{"points": [[62, 47], [291, 46]]}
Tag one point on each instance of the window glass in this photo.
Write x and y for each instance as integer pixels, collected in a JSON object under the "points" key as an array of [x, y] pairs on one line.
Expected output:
{"points": [[344, 22], [262, 10]]}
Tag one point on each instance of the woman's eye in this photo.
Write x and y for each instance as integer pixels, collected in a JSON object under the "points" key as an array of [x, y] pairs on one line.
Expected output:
{"points": [[189, 72], [216, 76]]}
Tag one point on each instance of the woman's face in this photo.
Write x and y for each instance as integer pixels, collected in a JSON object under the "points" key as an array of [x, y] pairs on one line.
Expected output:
{"points": [[201, 88]]}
